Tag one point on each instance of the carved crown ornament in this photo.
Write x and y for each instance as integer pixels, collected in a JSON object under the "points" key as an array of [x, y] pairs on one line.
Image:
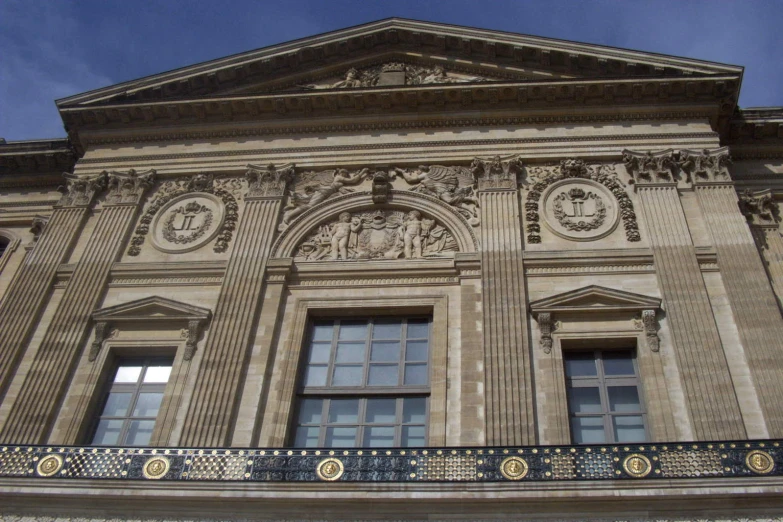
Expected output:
{"points": [[153, 313], [186, 214], [592, 300], [670, 166], [579, 201]]}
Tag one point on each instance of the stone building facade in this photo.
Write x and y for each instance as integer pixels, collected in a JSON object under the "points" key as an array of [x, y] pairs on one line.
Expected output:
{"points": [[399, 270]]}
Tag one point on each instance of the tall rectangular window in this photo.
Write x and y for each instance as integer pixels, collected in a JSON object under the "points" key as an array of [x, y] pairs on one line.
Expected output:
{"points": [[132, 401], [604, 401], [365, 383]]}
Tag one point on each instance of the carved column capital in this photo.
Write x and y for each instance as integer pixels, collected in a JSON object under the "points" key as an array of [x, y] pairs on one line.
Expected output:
{"points": [[269, 181], [81, 190], [497, 173], [706, 166], [545, 325], [650, 167], [650, 322], [759, 208], [127, 188]]}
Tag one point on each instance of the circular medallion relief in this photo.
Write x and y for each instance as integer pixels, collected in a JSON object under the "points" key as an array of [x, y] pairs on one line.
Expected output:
{"points": [[514, 468], [637, 466], [156, 468], [330, 469], [760, 462], [187, 222], [580, 210], [49, 465]]}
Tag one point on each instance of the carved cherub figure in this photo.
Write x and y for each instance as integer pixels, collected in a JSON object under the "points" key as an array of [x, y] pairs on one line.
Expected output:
{"points": [[341, 233], [412, 235], [321, 189], [441, 182]]}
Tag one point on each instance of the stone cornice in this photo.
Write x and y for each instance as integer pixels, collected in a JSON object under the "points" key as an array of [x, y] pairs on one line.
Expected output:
{"points": [[36, 157]]}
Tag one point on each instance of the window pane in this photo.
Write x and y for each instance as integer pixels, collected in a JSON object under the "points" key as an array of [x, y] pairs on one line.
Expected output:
{"points": [[381, 411], [340, 437], [315, 376], [584, 400], [323, 331], [416, 351], [412, 436], [629, 428], [418, 328], [348, 376], [580, 365], [383, 375], [139, 433], [344, 411], [128, 374], [414, 410], [385, 351], [618, 363], [378, 436], [387, 329], [350, 353], [588, 430], [306, 437], [310, 411], [415, 374], [108, 432], [117, 405], [147, 405], [353, 331], [623, 398], [319, 352], [157, 374]]}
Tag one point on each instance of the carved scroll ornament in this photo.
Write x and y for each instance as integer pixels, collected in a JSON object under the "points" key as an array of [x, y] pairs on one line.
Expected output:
{"points": [[379, 234]]}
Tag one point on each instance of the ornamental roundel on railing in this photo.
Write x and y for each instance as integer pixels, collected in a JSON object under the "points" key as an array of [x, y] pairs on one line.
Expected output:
{"points": [[665, 461], [585, 209]]}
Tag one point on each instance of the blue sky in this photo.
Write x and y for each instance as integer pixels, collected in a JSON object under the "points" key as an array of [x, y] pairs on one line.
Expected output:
{"points": [[50, 49]]}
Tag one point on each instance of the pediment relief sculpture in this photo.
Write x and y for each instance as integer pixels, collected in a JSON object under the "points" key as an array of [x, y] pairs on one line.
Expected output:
{"points": [[377, 234], [395, 73]]}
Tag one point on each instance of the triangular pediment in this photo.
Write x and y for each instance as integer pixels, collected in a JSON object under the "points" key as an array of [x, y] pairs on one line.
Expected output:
{"points": [[465, 55], [595, 298], [151, 309]]}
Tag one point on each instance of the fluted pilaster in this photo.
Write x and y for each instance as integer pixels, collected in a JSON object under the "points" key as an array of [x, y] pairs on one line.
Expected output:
{"points": [[753, 302], [216, 398]]}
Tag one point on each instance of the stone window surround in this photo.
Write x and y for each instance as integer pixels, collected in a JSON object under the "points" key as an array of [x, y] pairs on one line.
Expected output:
{"points": [[292, 349]]}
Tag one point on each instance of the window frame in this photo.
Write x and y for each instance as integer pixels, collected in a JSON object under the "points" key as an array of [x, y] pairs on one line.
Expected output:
{"points": [[603, 382], [135, 389], [364, 391]]}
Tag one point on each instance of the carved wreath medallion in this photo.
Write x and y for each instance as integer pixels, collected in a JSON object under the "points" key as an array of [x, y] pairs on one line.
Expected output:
{"points": [[759, 462], [156, 468], [329, 469], [580, 210], [514, 468], [637, 466], [187, 222], [49, 465]]}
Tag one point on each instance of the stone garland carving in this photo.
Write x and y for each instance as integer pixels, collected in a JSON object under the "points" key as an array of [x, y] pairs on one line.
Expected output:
{"points": [[578, 197], [379, 234], [651, 330], [316, 187], [269, 181], [406, 74], [546, 326], [80, 191], [576, 168], [759, 207], [128, 187], [172, 189], [452, 185]]}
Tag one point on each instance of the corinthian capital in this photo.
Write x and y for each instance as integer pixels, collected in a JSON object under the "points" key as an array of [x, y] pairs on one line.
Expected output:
{"points": [[497, 172], [650, 167], [706, 166], [127, 188], [759, 208], [269, 181], [81, 190]]}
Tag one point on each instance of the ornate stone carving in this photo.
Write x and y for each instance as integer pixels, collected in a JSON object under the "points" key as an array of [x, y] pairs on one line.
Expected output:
{"points": [[101, 334], [128, 187], [38, 225], [706, 165], [269, 181], [497, 172], [379, 234], [452, 185], [221, 199], [542, 177], [759, 208], [649, 167], [579, 209], [194, 330], [315, 187], [651, 329], [380, 187], [187, 222], [396, 73], [580, 199], [80, 191], [546, 326]]}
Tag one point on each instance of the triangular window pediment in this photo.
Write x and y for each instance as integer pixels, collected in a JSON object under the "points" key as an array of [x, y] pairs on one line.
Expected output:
{"points": [[151, 308], [595, 298]]}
